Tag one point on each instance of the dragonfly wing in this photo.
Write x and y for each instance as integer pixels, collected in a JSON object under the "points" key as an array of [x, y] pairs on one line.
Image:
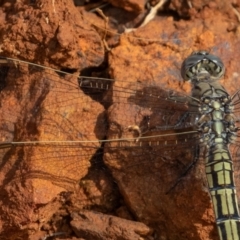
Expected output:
{"points": [[40, 104], [66, 116], [147, 169], [51, 105]]}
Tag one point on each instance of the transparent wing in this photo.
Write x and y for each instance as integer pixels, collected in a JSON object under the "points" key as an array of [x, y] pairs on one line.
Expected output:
{"points": [[59, 132], [66, 91], [72, 116]]}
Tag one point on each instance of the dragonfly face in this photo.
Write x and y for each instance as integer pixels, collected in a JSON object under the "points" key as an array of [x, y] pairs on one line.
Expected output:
{"points": [[204, 63]]}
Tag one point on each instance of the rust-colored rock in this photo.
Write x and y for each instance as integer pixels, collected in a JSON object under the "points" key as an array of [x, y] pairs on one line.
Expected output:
{"points": [[45, 109], [99, 226], [41, 186], [49, 31]]}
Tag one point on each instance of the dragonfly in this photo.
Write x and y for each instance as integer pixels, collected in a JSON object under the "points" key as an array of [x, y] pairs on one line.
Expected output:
{"points": [[58, 129]]}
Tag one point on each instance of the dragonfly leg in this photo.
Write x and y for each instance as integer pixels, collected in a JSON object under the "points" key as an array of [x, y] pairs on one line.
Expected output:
{"points": [[188, 169], [180, 123], [181, 120]]}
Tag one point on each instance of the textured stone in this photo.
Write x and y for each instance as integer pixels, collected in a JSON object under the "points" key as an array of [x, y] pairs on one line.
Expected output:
{"points": [[40, 186], [49, 30], [101, 226]]}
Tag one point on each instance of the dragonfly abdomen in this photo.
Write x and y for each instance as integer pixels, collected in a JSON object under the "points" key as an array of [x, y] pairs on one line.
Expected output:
{"points": [[219, 171], [219, 166]]}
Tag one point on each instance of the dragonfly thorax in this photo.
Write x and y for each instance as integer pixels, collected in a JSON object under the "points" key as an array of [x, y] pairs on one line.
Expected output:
{"points": [[216, 123]]}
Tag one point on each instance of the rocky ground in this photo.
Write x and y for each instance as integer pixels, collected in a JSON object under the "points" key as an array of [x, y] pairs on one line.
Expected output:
{"points": [[121, 40]]}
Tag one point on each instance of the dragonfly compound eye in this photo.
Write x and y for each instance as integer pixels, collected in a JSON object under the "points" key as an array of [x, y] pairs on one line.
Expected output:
{"points": [[200, 65]]}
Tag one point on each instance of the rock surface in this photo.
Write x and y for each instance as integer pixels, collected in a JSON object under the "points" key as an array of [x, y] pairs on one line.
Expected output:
{"points": [[44, 188], [101, 226]]}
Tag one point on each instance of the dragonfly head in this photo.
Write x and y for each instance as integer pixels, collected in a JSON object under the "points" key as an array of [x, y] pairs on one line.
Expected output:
{"points": [[202, 66]]}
